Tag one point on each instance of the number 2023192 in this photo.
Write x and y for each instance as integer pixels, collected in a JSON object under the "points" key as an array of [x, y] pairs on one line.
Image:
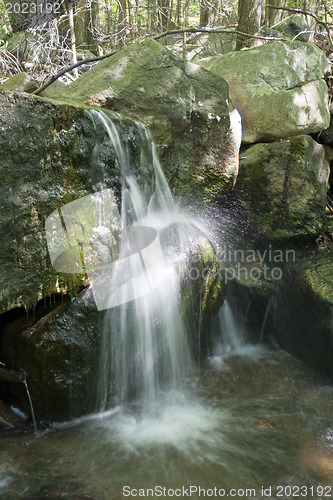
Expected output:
{"points": [[33, 8]]}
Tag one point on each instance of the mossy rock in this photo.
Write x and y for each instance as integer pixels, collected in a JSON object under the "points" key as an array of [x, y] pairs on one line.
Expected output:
{"points": [[303, 319], [21, 82], [203, 293], [278, 89], [284, 185], [58, 355], [319, 277], [187, 109], [296, 27], [51, 154]]}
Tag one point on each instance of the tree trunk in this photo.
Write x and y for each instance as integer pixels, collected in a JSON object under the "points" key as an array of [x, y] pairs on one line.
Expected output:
{"points": [[186, 9], [73, 40], [204, 13], [122, 16], [130, 16], [16, 20], [208, 9], [122, 13], [178, 13], [83, 22], [273, 15], [163, 14], [249, 15], [23, 16]]}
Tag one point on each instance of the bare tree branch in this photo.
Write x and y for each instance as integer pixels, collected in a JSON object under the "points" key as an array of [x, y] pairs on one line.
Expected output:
{"points": [[214, 30]]}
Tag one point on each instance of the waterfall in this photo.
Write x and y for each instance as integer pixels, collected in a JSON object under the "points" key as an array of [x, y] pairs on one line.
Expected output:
{"points": [[144, 343], [231, 337], [229, 331], [31, 405]]}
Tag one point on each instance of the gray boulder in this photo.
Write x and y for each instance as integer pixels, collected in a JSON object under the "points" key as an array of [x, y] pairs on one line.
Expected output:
{"points": [[278, 89], [284, 184], [195, 126], [51, 154]]}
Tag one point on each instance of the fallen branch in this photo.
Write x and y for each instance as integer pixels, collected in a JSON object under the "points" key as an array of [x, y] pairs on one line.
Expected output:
{"points": [[157, 37], [306, 13]]}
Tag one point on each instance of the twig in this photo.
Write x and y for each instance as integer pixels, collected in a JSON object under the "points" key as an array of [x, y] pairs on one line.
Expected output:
{"points": [[306, 13]]}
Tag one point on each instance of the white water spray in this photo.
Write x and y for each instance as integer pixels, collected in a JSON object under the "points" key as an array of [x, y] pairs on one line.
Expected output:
{"points": [[144, 344]]}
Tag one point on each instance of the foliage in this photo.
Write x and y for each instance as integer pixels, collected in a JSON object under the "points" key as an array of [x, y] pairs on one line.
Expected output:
{"points": [[4, 24]]}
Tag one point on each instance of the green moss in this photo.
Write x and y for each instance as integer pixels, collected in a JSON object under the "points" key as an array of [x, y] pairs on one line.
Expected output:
{"points": [[202, 291], [176, 100], [283, 185]]}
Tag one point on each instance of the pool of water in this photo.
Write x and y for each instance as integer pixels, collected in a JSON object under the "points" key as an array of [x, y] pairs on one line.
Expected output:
{"points": [[258, 420]]}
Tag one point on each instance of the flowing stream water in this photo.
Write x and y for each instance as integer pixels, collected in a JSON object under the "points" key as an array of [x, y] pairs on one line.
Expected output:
{"points": [[144, 348], [250, 422]]}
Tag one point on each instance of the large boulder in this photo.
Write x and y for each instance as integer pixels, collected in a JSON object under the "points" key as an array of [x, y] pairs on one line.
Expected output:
{"points": [[284, 184], [58, 354], [278, 89], [187, 109], [51, 154], [36, 168]]}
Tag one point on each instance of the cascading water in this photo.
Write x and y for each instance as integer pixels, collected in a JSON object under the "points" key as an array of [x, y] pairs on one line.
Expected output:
{"points": [[230, 335], [144, 346]]}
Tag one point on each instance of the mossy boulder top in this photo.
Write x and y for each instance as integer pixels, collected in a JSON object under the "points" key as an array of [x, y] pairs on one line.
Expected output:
{"points": [[278, 89], [187, 108]]}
